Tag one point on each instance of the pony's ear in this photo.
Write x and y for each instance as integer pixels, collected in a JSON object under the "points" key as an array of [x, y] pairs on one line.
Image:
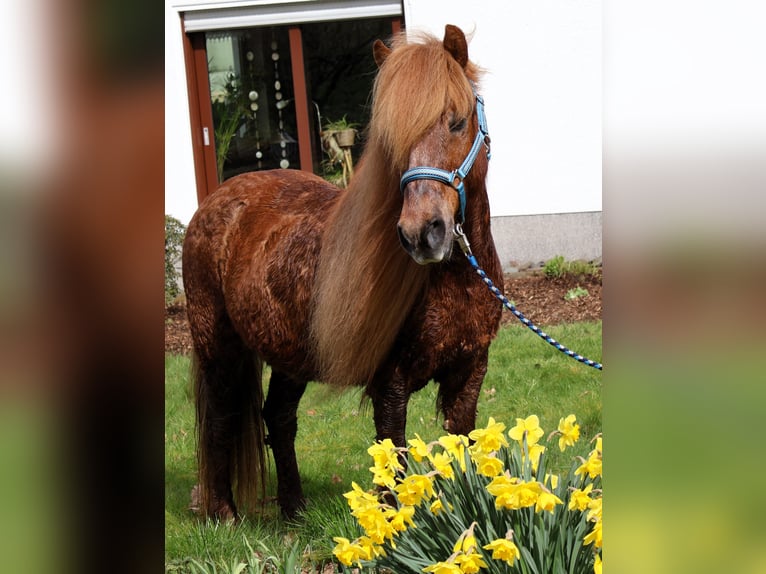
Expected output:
{"points": [[380, 52], [455, 44]]}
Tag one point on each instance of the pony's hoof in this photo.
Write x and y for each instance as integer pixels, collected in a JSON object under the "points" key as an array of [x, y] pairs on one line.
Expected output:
{"points": [[222, 511], [227, 516], [291, 510]]}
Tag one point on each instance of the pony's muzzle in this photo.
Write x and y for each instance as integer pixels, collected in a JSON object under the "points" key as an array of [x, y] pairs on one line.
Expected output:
{"points": [[425, 244]]}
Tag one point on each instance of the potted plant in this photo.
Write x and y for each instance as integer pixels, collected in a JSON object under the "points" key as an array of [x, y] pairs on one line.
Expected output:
{"points": [[342, 130]]}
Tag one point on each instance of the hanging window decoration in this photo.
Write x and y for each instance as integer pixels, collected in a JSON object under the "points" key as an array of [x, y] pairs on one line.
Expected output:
{"points": [[284, 163], [253, 97]]}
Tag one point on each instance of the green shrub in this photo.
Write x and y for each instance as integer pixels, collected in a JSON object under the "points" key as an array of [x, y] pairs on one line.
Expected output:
{"points": [[175, 232], [580, 267], [557, 267], [554, 267]]}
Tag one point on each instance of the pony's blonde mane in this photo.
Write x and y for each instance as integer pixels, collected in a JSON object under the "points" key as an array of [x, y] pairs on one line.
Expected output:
{"points": [[366, 284], [414, 86]]}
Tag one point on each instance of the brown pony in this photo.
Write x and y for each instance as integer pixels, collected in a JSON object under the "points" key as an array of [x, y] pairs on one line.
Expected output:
{"points": [[355, 287]]}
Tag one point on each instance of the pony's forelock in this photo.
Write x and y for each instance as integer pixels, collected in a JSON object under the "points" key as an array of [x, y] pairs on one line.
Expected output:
{"points": [[418, 81]]}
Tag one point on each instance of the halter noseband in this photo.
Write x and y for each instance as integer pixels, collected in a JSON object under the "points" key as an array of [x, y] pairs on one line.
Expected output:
{"points": [[456, 177]]}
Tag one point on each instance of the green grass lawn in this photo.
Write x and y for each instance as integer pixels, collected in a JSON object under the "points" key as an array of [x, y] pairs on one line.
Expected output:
{"points": [[526, 376]]}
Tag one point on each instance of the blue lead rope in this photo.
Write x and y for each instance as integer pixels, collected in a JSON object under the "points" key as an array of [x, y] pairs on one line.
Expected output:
{"points": [[465, 246]]}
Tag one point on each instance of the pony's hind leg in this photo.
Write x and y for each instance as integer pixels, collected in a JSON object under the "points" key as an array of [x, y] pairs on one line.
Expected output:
{"points": [[230, 435], [281, 415]]}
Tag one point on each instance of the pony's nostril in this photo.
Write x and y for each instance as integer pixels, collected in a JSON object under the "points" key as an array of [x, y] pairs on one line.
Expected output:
{"points": [[406, 243], [433, 234]]}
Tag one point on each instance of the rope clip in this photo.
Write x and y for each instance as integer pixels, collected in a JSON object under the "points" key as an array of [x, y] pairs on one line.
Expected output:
{"points": [[462, 240]]}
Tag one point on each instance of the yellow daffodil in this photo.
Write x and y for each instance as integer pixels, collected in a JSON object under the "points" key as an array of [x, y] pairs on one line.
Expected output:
{"points": [[595, 536], [394, 518], [527, 493], [345, 551], [375, 525], [442, 463], [547, 501], [512, 493], [470, 563], [503, 549], [490, 438], [501, 482], [466, 543], [591, 466], [369, 519], [464, 552], [414, 488], [418, 448], [535, 452], [597, 565], [579, 499], [455, 445], [383, 476], [402, 518], [359, 499], [437, 507], [488, 465], [552, 480], [368, 550], [443, 568], [570, 432], [595, 509], [348, 552], [529, 427], [385, 455]]}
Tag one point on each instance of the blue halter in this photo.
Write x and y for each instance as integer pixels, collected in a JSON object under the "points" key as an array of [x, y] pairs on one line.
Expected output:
{"points": [[455, 178]]}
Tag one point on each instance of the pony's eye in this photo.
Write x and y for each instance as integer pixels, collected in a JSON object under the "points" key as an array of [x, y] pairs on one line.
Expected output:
{"points": [[457, 125]]}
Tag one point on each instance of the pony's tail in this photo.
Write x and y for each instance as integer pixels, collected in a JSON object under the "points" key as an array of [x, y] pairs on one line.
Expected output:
{"points": [[229, 404], [250, 459]]}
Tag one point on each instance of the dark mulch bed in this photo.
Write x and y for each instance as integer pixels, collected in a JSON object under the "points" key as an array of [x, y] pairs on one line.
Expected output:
{"points": [[540, 298], [177, 336]]}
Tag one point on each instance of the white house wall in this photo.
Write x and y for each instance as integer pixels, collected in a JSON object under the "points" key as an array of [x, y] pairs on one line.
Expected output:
{"points": [[180, 182], [543, 96]]}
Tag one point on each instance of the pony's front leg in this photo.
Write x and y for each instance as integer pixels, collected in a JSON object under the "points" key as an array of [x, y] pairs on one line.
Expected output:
{"points": [[459, 395], [281, 414], [389, 400], [390, 396]]}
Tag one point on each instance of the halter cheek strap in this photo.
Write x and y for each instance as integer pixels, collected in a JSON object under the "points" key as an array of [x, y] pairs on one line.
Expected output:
{"points": [[456, 177]]}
